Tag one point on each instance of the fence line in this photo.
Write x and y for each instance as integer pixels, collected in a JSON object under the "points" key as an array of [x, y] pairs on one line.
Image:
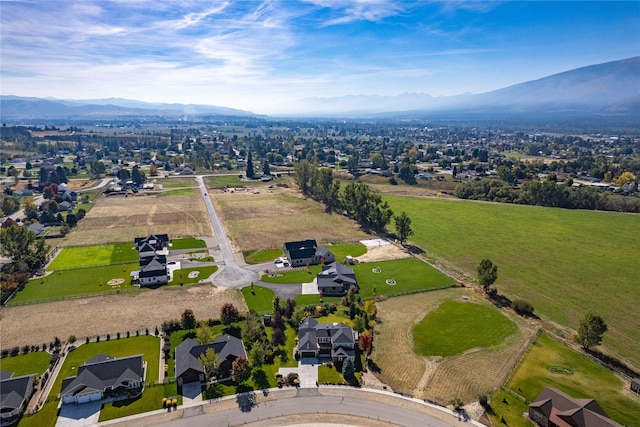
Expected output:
{"points": [[521, 356], [12, 303]]}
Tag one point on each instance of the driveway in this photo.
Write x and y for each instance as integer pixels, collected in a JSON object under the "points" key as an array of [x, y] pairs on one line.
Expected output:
{"points": [[191, 392], [307, 371], [310, 288], [83, 415]]}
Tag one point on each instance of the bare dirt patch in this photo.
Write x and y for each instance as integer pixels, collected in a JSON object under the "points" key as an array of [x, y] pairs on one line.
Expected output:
{"points": [[383, 253], [120, 219], [267, 220], [41, 323], [464, 376]]}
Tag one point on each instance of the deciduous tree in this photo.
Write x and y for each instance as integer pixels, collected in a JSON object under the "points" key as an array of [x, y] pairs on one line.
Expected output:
{"points": [[241, 370], [188, 319], [228, 314], [487, 274], [403, 226], [590, 330], [210, 361]]}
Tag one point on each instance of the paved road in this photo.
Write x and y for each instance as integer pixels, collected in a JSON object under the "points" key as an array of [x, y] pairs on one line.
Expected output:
{"points": [[314, 404], [230, 274]]}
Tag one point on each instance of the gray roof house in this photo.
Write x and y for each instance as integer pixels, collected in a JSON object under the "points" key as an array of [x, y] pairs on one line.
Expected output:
{"points": [[153, 251], [635, 385], [553, 408], [325, 341], [307, 252], [188, 366], [14, 396], [105, 377], [336, 279]]}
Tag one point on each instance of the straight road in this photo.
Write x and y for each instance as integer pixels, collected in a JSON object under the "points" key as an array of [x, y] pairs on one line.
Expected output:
{"points": [[231, 274]]}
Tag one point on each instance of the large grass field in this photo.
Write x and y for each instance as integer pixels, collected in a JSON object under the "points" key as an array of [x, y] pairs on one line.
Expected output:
{"points": [[564, 262], [550, 363], [26, 364], [456, 326], [79, 281], [259, 299], [91, 256]]}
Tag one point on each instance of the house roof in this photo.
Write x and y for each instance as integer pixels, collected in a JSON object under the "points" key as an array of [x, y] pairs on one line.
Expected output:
{"points": [[102, 372], [5, 375], [13, 391], [36, 227], [157, 241], [188, 351], [566, 411], [301, 249], [335, 274], [636, 381], [310, 330]]}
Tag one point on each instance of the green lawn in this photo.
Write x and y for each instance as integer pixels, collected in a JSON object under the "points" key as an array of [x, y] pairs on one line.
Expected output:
{"points": [[78, 281], [260, 300], [455, 327], [204, 273], [187, 243], [327, 375], [25, 364], [294, 277], [342, 250], [91, 256], [222, 181], [262, 255], [179, 192], [564, 262], [582, 378]]}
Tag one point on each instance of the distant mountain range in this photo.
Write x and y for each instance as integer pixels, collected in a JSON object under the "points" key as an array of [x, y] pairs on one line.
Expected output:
{"points": [[609, 89]]}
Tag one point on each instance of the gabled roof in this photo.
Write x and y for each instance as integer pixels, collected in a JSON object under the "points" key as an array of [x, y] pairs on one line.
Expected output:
{"points": [[104, 372], [310, 330], [335, 274], [188, 352], [301, 249], [13, 391], [564, 410]]}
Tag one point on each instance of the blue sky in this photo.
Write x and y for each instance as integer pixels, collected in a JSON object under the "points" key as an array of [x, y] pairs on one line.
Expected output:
{"points": [[256, 55]]}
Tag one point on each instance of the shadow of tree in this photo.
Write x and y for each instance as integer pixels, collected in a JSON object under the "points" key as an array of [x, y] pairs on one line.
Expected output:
{"points": [[260, 379]]}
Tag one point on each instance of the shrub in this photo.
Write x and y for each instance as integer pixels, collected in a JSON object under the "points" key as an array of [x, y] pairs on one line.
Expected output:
{"points": [[71, 339], [25, 349], [87, 340], [118, 335], [522, 307], [108, 337]]}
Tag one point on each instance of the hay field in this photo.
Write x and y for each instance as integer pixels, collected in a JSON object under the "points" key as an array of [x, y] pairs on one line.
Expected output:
{"points": [[564, 262], [435, 378], [267, 220], [120, 219], [109, 314]]}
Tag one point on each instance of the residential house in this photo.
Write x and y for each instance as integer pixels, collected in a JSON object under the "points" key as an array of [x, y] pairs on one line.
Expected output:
{"points": [[153, 251], [553, 408], [105, 377], [336, 279], [36, 227], [332, 341], [188, 366], [635, 385], [15, 393], [307, 252]]}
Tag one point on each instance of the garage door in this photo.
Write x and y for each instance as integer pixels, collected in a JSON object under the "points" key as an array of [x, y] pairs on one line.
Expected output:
{"points": [[84, 398], [307, 354]]}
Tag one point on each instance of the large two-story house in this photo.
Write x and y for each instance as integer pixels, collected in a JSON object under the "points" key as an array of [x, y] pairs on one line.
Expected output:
{"points": [[15, 393], [307, 252], [325, 341], [153, 251], [553, 408]]}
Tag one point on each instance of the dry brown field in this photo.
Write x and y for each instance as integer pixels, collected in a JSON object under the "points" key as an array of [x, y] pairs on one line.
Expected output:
{"points": [[268, 219], [464, 376], [41, 323], [120, 219]]}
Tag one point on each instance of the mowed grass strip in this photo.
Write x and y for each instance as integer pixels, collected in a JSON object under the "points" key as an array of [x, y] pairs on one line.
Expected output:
{"points": [[26, 364], [457, 326], [343, 249], [79, 281], [576, 375], [187, 243], [182, 276], [262, 255], [305, 275], [83, 256], [561, 261]]}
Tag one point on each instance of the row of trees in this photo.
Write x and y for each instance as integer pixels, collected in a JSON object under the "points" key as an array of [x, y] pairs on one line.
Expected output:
{"points": [[545, 193], [357, 200]]}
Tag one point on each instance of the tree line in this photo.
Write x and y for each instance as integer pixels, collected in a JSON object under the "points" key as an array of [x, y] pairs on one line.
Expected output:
{"points": [[356, 200], [545, 193]]}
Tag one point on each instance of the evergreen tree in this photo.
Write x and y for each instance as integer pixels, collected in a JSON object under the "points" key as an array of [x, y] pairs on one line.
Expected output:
{"points": [[249, 172]]}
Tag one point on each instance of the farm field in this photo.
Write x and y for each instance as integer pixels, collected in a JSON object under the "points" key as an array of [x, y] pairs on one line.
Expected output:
{"points": [[550, 363], [463, 376], [120, 219], [40, 323], [267, 220], [564, 262], [457, 326]]}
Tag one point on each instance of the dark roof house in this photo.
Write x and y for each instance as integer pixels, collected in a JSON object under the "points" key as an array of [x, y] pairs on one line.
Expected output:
{"points": [[336, 279], [307, 252], [553, 408], [105, 376], [334, 341], [635, 385], [190, 369], [14, 396]]}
